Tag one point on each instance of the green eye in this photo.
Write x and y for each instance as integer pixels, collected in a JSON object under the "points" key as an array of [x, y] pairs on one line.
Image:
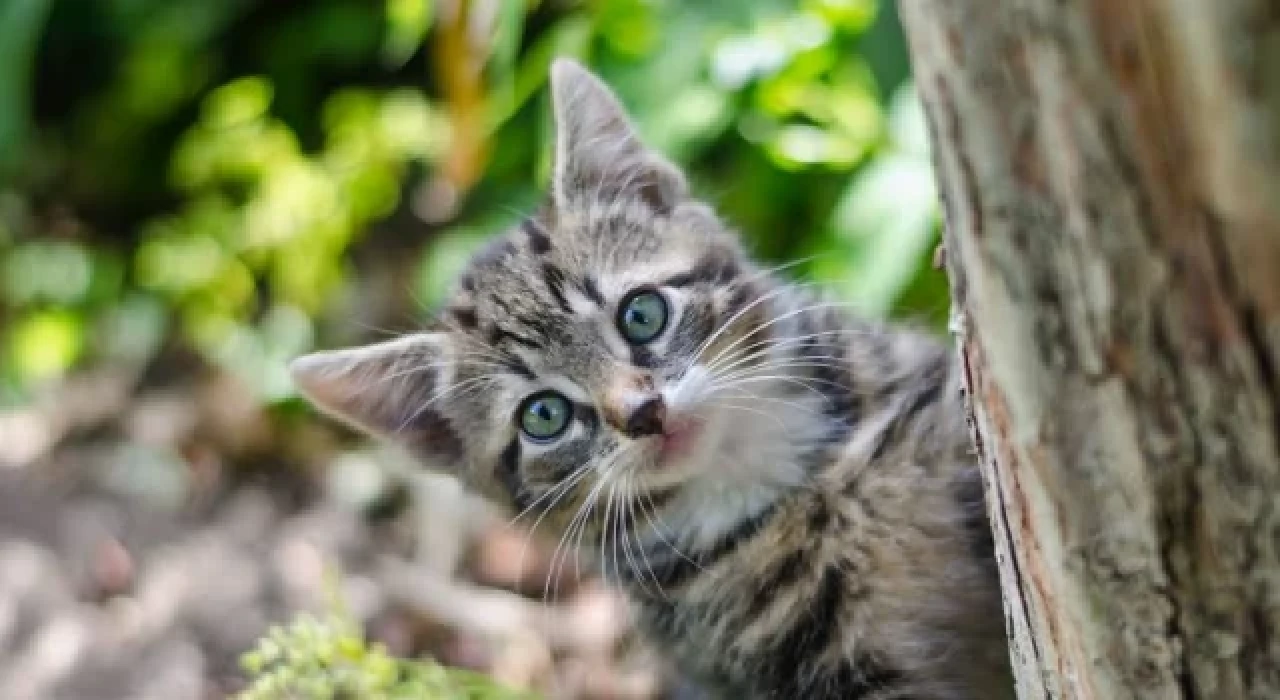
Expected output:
{"points": [[642, 316], [544, 415]]}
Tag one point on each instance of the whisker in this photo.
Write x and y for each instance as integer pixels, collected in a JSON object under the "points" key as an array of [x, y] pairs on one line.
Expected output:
{"points": [[620, 533], [382, 332], [746, 395], [798, 338], [778, 319], [564, 484], [802, 382], [475, 383], [788, 265], [604, 536], [767, 346], [834, 362], [624, 518], [561, 490], [697, 354], [419, 369], [740, 384], [658, 531], [578, 522], [750, 409], [792, 371], [632, 504]]}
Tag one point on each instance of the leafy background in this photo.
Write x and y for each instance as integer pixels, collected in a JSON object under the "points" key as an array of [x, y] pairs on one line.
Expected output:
{"points": [[193, 192]]}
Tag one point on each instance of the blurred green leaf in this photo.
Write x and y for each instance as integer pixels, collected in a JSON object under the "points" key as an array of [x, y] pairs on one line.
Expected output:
{"points": [[504, 52], [20, 24], [888, 216], [133, 329], [800, 145], [45, 344], [569, 37], [849, 15], [631, 28], [407, 25], [59, 272]]}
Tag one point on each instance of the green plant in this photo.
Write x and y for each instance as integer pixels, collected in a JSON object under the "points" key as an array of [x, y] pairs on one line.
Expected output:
{"points": [[328, 659]]}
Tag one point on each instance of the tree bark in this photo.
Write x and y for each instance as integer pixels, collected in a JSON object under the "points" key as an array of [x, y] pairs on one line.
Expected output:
{"points": [[1110, 171]]}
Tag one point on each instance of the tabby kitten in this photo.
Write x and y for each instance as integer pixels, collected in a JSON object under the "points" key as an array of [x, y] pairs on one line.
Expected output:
{"points": [[787, 494]]}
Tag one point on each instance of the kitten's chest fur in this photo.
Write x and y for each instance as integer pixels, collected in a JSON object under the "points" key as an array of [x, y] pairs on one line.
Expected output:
{"points": [[872, 577]]}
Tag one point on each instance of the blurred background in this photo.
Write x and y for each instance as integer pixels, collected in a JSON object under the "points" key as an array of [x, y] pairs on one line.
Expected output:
{"points": [[192, 192]]}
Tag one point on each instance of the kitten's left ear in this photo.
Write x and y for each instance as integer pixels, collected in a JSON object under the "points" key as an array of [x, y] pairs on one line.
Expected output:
{"points": [[387, 389], [597, 149]]}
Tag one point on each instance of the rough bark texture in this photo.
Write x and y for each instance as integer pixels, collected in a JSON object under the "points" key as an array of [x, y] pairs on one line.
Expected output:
{"points": [[1111, 179]]}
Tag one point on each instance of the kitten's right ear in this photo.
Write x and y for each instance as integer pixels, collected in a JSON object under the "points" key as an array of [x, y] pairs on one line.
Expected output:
{"points": [[388, 390], [598, 150]]}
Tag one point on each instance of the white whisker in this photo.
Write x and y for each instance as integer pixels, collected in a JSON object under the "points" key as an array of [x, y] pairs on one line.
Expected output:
{"points": [[778, 319]]}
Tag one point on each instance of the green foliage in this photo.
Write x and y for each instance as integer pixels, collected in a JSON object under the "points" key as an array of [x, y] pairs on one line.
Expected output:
{"points": [[240, 179], [233, 177], [20, 24], [328, 659]]}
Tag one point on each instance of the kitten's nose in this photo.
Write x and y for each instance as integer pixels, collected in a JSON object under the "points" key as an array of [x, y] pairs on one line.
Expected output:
{"points": [[632, 404], [646, 418]]}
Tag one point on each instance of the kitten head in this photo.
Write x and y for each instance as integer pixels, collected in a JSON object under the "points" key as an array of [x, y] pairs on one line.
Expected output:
{"points": [[577, 352]]}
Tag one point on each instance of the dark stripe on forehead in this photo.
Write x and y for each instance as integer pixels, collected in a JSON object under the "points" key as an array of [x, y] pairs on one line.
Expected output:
{"points": [[497, 335], [492, 254], [592, 290], [717, 267], [473, 347], [680, 279], [539, 241], [542, 326], [495, 252], [519, 367], [554, 278]]}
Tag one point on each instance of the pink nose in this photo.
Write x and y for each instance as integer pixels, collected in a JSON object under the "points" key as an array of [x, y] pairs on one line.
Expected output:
{"points": [[647, 418], [635, 413], [633, 405]]}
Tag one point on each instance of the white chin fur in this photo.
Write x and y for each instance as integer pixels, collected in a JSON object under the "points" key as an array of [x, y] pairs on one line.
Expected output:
{"points": [[749, 449]]}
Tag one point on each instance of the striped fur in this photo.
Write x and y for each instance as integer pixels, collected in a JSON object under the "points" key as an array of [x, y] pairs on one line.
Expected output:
{"points": [[823, 533]]}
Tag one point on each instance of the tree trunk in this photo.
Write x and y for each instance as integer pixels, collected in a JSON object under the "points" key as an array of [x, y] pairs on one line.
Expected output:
{"points": [[1111, 179]]}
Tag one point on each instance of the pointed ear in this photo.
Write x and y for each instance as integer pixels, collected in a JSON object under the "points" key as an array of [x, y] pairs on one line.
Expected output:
{"points": [[386, 389], [598, 152]]}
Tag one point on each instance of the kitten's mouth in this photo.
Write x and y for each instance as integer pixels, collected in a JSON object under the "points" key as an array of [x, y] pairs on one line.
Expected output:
{"points": [[679, 440]]}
